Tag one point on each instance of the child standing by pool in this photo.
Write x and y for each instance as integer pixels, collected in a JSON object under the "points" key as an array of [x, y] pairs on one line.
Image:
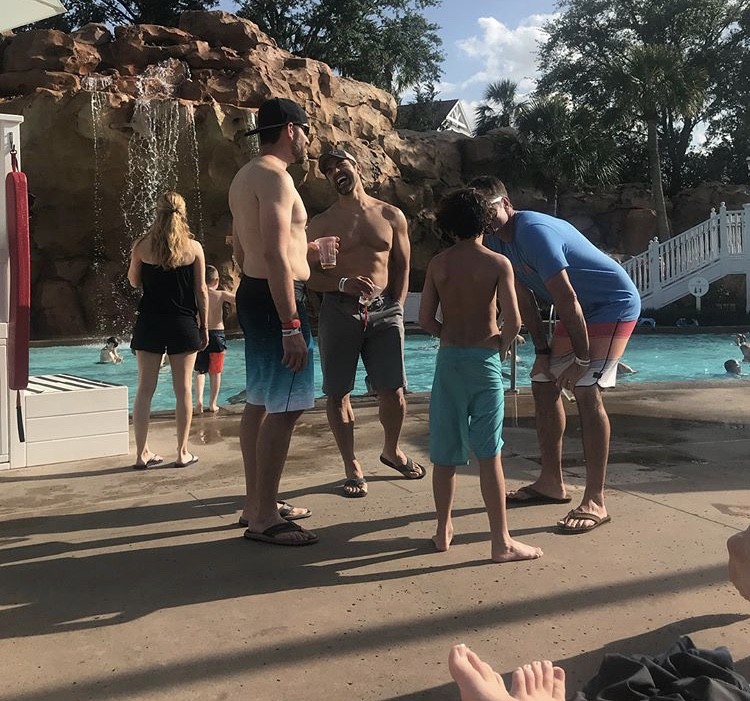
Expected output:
{"points": [[469, 281], [211, 359]]}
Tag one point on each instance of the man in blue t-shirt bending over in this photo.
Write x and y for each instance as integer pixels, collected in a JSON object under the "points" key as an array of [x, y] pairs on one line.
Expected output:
{"points": [[598, 306]]}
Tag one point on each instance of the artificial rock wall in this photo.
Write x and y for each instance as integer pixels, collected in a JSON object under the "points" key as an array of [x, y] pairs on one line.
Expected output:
{"points": [[86, 129]]}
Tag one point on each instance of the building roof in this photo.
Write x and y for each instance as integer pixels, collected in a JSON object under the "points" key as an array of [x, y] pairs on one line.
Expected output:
{"points": [[435, 116]]}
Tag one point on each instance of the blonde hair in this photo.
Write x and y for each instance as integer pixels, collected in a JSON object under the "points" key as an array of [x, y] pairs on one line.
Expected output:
{"points": [[170, 233]]}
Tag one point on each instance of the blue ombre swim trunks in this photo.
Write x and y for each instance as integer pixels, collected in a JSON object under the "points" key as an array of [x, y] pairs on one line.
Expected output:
{"points": [[467, 405], [268, 382]]}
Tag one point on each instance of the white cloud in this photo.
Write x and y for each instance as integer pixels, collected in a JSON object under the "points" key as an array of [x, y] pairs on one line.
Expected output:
{"points": [[505, 52]]}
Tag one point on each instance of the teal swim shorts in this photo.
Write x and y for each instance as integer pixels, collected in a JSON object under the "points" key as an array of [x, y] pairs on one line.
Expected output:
{"points": [[466, 406]]}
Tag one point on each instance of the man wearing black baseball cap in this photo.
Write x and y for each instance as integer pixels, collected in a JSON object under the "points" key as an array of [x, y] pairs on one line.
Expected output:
{"points": [[270, 246], [328, 160], [362, 314], [279, 112]]}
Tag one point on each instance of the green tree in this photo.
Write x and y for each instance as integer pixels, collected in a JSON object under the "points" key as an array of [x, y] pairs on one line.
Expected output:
{"points": [[729, 130], [499, 107], [388, 43], [593, 37], [562, 148], [651, 81], [119, 12]]}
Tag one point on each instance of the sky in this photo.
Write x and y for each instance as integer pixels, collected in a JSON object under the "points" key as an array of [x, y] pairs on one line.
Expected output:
{"points": [[483, 41], [487, 41]]}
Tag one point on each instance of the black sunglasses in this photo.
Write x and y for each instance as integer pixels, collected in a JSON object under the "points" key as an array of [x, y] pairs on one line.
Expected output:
{"points": [[305, 127]]}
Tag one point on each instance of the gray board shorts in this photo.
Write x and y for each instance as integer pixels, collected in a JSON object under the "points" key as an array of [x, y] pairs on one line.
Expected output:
{"points": [[346, 330]]}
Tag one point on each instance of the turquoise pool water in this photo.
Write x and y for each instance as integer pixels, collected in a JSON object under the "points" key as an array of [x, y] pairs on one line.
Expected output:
{"points": [[657, 358]]}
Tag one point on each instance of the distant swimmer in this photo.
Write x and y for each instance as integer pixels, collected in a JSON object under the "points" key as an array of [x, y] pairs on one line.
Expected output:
{"points": [[733, 367], [741, 340], [109, 353]]}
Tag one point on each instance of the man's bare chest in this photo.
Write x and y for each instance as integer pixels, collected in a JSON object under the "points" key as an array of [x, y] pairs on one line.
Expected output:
{"points": [[365, 231]]}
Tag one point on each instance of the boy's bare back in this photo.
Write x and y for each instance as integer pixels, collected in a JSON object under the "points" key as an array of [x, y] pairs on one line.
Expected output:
{"points": [[216, 299], [468, 281]]}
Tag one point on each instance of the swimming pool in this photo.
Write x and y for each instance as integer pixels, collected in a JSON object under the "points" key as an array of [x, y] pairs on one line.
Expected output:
{"points": [[656, 358]]}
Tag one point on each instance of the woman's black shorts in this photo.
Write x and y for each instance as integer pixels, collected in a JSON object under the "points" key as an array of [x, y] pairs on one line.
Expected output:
{"points": [[166, 334]]}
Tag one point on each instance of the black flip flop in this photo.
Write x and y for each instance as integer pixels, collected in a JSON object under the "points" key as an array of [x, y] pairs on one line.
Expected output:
{"points": [[357, 483], [284, 510], [533, 498], [596, 521], [269, 535], [151, 462], [192, 461], [407, 469]]}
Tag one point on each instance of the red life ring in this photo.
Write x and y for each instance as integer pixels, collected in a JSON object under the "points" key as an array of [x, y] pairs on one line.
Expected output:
{"points": [[19, 327]]}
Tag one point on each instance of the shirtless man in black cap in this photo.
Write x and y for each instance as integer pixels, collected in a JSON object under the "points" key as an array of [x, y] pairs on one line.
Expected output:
{"points": [[362, 313], [270, 246]]}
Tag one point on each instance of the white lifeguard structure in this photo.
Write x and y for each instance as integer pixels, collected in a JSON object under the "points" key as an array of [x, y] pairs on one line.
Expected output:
{"points": [[58, 417]]}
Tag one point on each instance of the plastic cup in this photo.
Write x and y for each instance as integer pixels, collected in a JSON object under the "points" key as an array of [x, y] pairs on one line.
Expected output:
{"points": [[367, 300], [327, 247]]}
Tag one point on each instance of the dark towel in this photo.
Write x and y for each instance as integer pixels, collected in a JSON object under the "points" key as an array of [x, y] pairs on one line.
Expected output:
{"points": [[684, 673]]}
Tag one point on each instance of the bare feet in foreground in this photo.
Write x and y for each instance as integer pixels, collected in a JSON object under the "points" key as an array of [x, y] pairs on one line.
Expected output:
{"points": [[477, 681], [443, 539], [198, 410], [514, 551]]}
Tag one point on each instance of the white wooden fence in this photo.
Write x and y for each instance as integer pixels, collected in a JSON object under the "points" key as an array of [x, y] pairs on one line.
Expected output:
{"points": [[714, 248]]}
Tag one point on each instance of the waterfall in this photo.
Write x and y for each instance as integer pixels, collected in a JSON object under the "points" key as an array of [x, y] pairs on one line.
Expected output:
{"points": [[97, 87], [162, 155], [161, 125]]}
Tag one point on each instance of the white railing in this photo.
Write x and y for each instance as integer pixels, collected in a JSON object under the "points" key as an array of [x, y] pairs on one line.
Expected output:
{"points": [[715, 247]]}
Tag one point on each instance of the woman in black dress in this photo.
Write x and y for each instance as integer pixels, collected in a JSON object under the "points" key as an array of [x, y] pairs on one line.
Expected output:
{"points": [[170, 268]]}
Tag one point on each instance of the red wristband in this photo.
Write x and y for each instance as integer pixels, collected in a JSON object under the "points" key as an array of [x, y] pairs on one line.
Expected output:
{"points": [[293, 324]]}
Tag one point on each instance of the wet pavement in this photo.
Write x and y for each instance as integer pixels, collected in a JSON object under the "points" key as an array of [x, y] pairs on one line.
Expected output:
{"points": [[117, 584]]}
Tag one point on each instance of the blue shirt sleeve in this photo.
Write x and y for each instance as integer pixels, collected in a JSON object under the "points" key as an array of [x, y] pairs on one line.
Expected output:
{"points": [[544, 250]]}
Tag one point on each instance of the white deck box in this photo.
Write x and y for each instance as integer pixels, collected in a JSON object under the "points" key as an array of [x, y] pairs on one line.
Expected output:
{"points": [[73, 418]]}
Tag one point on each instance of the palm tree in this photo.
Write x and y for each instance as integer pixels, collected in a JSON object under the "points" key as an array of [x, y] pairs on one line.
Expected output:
{"points": [[499, 107], [563, 147], [651, 80]]}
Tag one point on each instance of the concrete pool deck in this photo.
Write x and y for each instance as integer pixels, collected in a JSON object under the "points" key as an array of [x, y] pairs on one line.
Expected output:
{"points": [[118, 584]]}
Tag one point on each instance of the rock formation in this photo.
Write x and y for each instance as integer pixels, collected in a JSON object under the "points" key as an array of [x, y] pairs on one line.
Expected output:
{"points": [[110, 119]]}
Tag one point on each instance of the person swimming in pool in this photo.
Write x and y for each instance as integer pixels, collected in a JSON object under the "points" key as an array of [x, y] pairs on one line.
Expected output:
{"points": [[732, 367], [741, 340], [109, 354]]}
